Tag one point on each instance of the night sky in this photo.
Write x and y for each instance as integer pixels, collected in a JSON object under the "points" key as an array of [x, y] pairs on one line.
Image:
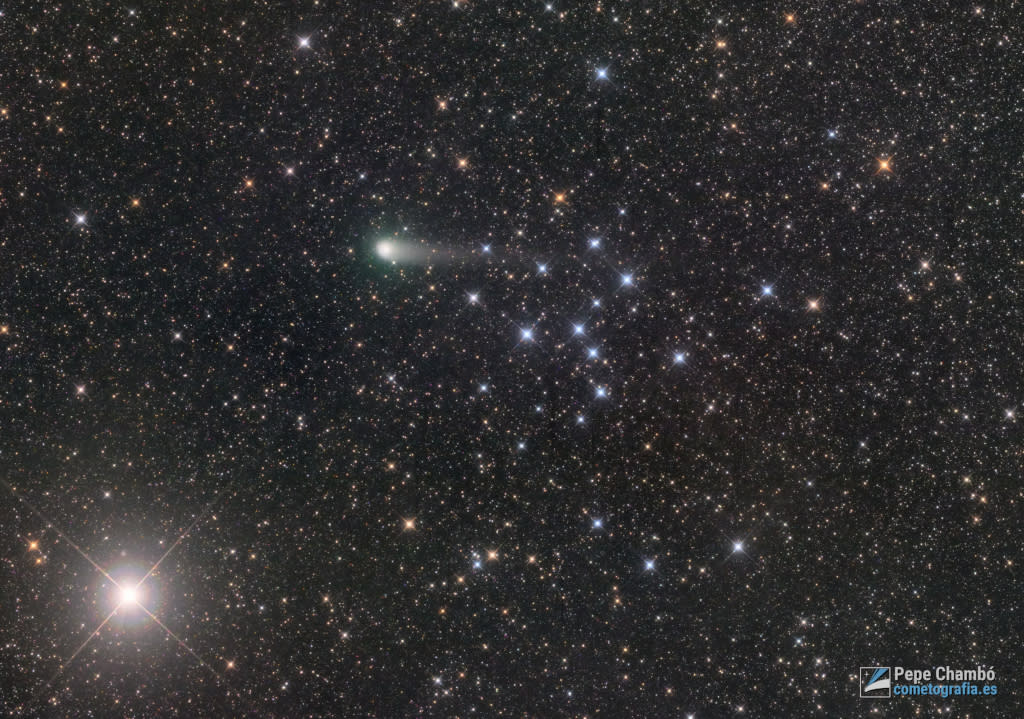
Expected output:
{"points": [[525, 359]]}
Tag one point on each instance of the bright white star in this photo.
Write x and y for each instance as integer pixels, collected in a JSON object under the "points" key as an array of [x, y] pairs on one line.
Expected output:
{"points": [[679, 358], [129, 595]]}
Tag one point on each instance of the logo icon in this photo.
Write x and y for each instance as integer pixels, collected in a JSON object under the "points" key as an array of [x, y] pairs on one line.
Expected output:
{"points": [[875, 683]]}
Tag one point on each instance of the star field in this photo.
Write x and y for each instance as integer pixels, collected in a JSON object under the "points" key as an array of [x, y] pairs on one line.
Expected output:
{"points": [[534, 359]]}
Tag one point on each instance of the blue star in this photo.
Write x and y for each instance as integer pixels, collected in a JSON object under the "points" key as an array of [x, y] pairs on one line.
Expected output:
{"points": [[580, 419], [595, 243], [598, 523], [526, 334], [833, 134], [577, 329], [627, 280], [766, 290], [484, 388], [542, 269], [602, 73], [600, 393], [648, 565], [591, 352], [596, 302], [679, 358], [486, 249]]}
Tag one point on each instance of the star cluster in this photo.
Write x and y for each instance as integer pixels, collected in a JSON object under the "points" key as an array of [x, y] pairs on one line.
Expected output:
{"points": [[507, 359]]}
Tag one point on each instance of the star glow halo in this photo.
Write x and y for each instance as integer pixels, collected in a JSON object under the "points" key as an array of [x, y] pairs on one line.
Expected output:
{"points": [[131, 595]]}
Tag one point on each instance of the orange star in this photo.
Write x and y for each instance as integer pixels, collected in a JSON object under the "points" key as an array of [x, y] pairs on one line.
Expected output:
{"points": [[884, 165]]}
